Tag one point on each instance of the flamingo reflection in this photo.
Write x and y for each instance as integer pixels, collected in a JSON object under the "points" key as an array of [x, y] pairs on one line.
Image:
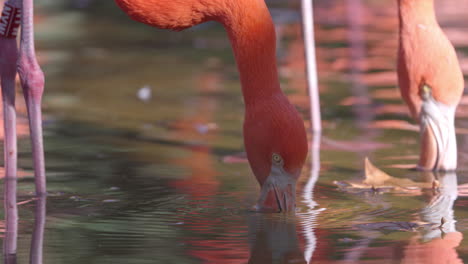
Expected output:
{"points": [[11, 226], [271, 237], [202, 182], [437, 243], [37, 240], [10, 183], [437, 237], [274, 239], [11, 221], [200, 164]]}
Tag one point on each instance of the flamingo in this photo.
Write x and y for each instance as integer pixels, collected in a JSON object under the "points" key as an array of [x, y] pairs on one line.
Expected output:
{"points": [[431, 82], [24, 62], [274, 133]]}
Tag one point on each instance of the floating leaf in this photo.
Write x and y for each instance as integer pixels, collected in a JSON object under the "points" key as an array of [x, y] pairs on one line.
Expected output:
{"points": [[378, 180]]}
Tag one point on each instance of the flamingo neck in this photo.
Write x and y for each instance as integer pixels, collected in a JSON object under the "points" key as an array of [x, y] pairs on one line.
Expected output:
{"points": [[252, 35], [247, 22], [416, 12]]}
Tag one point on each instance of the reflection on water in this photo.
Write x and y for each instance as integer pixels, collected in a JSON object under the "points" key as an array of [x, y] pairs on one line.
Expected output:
{"points": [[437, 242], [274, 240], [10, 241], [147, 182], [11, 221], [37, 239]]}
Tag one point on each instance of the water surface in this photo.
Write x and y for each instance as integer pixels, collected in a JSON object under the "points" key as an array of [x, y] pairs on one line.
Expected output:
{"points": [[163, 180]]}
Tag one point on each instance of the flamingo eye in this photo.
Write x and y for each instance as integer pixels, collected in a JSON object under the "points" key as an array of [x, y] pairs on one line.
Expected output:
{"points": [[426, 92], [277, 159]]}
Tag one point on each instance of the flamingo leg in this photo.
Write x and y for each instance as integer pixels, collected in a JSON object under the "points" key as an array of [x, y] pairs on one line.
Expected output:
{"points": [[32, 81], [9, 22], [311, 68], [8, 56]]}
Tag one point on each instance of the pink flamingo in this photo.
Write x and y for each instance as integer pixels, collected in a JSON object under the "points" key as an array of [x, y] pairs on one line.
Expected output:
{"points": [[274, 134], [431, 82]]}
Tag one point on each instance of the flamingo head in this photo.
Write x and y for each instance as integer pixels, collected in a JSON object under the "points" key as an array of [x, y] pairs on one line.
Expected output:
{"points": [[437, 130], [276, 146]]}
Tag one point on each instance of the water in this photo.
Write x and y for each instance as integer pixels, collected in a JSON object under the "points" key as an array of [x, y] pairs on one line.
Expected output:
{"points": [[161, 180]]}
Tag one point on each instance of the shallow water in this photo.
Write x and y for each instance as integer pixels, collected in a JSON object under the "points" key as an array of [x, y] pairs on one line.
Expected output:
{"points": [[163, 180]]}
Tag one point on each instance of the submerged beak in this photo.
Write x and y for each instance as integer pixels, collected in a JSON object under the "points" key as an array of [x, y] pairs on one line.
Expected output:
{"points": [[278, 192], [437, 130]]}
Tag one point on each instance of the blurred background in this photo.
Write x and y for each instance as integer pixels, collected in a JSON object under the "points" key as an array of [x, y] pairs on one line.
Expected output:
{"points": [[144, 152]]}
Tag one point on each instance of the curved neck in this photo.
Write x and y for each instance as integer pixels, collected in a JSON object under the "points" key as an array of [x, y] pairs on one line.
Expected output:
{"points": [[252, 35], [412, 12]]}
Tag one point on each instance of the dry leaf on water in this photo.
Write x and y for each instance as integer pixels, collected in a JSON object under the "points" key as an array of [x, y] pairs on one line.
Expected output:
{"points": [[376, 179]]}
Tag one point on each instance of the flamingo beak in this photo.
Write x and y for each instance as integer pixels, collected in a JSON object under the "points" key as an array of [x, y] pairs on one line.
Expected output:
{"points": [[278, 192], [437, 130]]}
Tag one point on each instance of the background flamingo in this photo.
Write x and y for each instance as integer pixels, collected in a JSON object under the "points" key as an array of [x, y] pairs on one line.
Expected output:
{"points": [[431, 82]]}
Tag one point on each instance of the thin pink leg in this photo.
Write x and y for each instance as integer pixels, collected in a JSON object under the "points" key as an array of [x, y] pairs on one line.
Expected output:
{"points": [[8, 56], [311, 68], [32, 81]]}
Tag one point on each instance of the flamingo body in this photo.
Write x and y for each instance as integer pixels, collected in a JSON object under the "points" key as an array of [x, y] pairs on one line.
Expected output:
{"points": [[428, 67]]}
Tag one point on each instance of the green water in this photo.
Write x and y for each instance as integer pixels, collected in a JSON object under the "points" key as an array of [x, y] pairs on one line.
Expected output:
{"points": [[135, 181]]}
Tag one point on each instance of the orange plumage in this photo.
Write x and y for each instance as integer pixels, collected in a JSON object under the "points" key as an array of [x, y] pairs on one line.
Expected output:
{"points": [[426, 56], [272, 124], [431, 82]]}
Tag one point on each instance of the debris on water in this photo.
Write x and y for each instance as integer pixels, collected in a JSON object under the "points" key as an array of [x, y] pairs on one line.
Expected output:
{"points": [[114, 188], [205, 128], [377, 181], [145, 93], [111, 201], [357, 188]]}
